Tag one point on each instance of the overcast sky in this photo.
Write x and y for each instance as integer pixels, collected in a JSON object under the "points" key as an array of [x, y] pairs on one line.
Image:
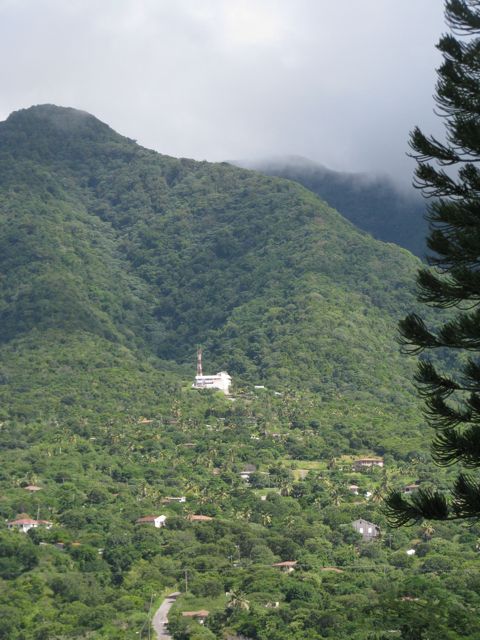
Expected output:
{"points": [[341, 82]]}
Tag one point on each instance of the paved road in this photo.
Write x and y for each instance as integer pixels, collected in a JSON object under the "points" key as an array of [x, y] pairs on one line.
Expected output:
{"points": [[160, 619]]}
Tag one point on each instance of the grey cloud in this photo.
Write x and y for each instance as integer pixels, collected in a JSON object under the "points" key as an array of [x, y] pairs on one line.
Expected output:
{"points": [[341, 83]]}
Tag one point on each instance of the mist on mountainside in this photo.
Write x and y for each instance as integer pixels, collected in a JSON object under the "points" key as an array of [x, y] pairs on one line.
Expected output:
{"points": [[374, 203]]}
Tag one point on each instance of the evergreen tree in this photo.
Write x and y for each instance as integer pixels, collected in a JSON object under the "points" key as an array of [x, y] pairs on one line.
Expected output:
{"points": [[448, 171]]}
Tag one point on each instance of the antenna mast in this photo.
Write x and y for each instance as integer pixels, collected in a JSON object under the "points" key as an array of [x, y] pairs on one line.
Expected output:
{"points": [[199, 361]]}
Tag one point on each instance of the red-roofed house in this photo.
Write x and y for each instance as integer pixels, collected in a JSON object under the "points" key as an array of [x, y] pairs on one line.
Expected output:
{"points": [[199, 615], [155, 521], [24, 524], [32, 488]]}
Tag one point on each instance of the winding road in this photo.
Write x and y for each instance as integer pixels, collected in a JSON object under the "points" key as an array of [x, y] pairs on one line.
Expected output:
{"points": [[160, 619]]}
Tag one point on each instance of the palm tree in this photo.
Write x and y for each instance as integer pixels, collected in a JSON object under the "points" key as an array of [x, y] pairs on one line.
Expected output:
{"points": [[266, 519], [220, 494], [204, 497], [286, 487], [238, 600], [427, 531], [336, 491], [192, 488], [289, 522], [332, 464], [377, 495], [246, 514]]}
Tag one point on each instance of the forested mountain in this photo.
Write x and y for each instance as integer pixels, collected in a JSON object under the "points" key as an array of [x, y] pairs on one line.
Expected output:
{"points": [[115, 263], [107, 239], [373, 203]]}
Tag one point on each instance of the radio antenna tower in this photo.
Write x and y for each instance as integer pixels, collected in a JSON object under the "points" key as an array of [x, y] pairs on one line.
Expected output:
{"points": [[199, 362]]}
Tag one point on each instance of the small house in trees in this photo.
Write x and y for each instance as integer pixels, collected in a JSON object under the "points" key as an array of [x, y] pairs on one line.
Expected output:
{"points": [[200, 615], [32, 488], [367, 463], [353, 488], [26, 523], [247, 471], [366, 529], [410, 488], [288, 565], [154, 521], [170, 499], [199, 518]]}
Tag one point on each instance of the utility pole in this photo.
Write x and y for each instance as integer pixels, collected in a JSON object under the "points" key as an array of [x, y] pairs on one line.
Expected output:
{"points": [[149, 621], [199, 362]]}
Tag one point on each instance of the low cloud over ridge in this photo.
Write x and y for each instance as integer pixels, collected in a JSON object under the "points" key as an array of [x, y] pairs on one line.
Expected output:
{"points": [[342, 84]]}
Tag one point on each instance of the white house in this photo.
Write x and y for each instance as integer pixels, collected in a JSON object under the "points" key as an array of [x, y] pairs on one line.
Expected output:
{"points": [[367, 463], [220, 381], [156, 521], [26, 523], [247, 471]]}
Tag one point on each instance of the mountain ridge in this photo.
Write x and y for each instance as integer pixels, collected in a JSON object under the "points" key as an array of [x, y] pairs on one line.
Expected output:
{"points": [[374, 203]]}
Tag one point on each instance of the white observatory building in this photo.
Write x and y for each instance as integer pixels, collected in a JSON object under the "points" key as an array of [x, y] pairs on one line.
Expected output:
{"points": [[220, 381]]}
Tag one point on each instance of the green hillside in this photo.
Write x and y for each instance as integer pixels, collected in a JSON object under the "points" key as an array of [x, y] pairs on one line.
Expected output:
{"points": [[373, 203], [156, 255], [115, 263]]}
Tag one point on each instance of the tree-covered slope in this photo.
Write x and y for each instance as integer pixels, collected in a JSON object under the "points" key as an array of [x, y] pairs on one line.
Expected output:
{"points": [[372, 203], [103, 236], [115, 262]]}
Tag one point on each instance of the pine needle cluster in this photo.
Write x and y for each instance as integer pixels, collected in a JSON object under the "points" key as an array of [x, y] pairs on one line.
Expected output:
{"points": [[448, 172]]}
